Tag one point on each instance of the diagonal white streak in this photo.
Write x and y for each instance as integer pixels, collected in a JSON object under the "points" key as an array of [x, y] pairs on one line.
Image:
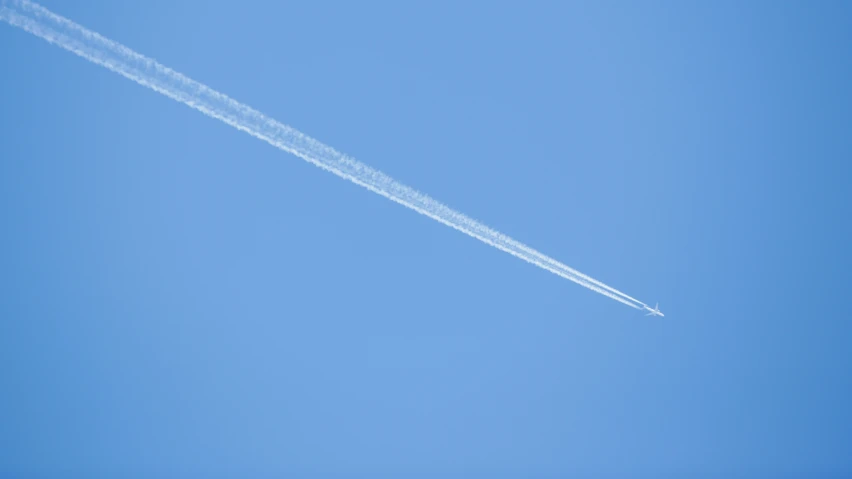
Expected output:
{"points": [[115, 57]]}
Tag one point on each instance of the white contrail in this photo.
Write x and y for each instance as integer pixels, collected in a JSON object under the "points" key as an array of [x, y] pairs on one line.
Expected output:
{"points": [[64, 33]]}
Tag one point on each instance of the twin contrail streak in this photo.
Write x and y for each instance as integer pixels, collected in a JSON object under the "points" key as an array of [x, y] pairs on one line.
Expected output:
{"points": [[115, 57]]}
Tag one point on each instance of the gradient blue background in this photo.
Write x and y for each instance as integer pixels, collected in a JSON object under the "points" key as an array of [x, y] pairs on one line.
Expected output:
{"points": [[179, 299]]}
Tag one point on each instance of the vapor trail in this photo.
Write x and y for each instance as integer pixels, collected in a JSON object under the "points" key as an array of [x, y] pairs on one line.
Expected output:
{"points": [[115, 57]]}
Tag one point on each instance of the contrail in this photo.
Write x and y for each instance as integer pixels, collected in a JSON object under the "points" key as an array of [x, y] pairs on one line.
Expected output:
{"points": [[117, 58]]}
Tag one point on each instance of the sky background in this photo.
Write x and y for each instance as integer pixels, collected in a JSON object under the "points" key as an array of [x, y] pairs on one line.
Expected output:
{"points": [[179, 299]]}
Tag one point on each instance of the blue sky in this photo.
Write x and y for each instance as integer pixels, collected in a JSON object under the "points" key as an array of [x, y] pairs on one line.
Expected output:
{"points": [[180, 299]]}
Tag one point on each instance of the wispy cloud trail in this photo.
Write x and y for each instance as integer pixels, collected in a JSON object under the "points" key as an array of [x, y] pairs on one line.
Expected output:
{"points": [[115, 57]]}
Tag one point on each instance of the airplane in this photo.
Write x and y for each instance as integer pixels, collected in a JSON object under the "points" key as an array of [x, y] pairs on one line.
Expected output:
{"points": [[655, 311]]}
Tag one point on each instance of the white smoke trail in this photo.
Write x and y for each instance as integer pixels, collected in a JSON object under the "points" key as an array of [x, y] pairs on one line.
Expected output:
{"points": [[66, 34]]}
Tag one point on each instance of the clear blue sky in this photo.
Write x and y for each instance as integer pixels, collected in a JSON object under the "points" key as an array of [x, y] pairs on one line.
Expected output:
{"points": [[178, 299]]}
